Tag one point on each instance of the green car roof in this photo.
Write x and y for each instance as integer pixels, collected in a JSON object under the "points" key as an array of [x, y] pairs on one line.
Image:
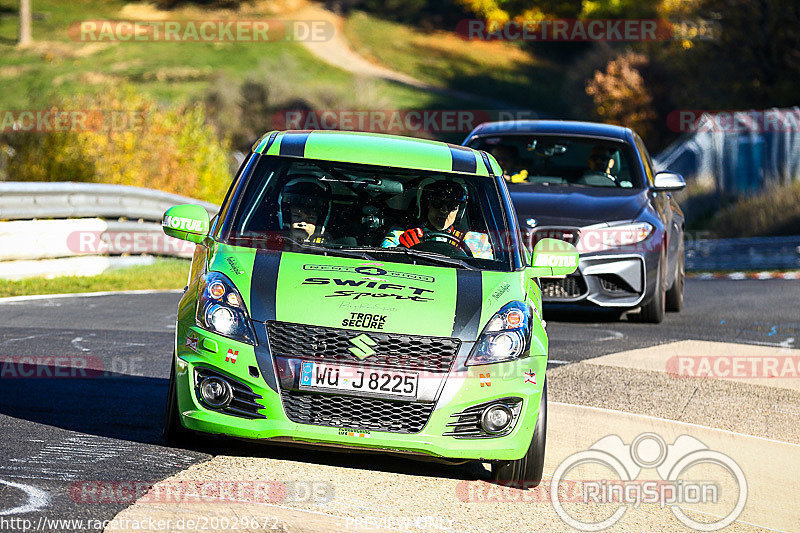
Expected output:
{"points": [[376, 149]]}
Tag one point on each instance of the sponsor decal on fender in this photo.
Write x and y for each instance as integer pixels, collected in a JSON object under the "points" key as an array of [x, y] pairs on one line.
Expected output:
{"points": [[530, 377], [486, 380], [231, 356], [191, 343]]}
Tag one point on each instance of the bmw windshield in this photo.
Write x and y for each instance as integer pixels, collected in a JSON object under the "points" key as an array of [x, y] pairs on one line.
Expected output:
{"points": [[369, 212], [560, 160]]}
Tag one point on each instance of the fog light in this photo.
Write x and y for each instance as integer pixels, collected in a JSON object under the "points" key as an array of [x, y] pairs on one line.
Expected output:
{"points": [[216, 392], [496, 419]]}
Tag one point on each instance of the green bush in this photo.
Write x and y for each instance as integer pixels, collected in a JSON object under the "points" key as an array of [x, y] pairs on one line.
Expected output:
{"points": [[127, 139], [775, 211]]}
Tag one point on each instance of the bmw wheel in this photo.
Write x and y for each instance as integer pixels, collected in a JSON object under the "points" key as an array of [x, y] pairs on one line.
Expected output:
{"points": [[675, 294], [526, 472], [653, 311]]}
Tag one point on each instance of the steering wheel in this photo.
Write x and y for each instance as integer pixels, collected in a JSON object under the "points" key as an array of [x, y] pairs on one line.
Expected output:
{"points": [[599, 174], [430, 243]]}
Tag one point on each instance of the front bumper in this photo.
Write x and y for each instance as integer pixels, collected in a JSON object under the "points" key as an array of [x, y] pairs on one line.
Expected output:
{"points": [[457, 391], [605, 280]]}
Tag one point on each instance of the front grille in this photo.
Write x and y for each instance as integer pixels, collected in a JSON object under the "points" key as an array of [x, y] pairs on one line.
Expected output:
{"points": [[409, 352], [612, 283], [356, 412], [571, 286], [244, 399], [467, 424]]}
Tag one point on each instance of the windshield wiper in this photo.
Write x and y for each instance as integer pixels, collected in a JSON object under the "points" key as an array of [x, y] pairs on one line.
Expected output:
{"points": [[341, 252], [428, 256]]}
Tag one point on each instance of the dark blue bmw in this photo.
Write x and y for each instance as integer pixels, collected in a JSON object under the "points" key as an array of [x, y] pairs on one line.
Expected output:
{"points": [[594, 186]]}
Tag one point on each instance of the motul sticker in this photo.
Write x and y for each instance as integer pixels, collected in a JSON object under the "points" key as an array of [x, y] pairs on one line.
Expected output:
{"points": [[486, 380], [546, 260], [181, 223], [232, 355]]}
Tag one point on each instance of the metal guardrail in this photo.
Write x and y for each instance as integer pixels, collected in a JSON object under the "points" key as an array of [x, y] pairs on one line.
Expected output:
{"points": [[756, 253], [49, 229], [31, 200]]}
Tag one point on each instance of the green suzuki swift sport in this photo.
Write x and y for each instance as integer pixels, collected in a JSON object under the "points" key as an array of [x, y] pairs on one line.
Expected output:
{"points": [[366, 291]]}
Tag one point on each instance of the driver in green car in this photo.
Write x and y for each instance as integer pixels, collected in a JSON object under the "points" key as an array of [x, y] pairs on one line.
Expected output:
{"points": [[441, 206], [305, 209]]}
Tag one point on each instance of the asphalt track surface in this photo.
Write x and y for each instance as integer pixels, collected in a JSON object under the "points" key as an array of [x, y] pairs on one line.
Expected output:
{"points": [[61, 434]]}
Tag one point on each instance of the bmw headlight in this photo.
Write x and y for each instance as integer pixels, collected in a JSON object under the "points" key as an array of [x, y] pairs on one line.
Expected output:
{"points": [[220, 308], [615, 235], [505, 337]]}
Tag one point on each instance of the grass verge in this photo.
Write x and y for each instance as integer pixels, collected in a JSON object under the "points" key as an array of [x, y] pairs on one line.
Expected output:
{"points": [[496, 70], [163, 274], [168, 71]]}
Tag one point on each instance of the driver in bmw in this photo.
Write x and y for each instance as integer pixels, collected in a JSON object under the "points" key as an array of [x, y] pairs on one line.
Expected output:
{"points": [[440, 206]]}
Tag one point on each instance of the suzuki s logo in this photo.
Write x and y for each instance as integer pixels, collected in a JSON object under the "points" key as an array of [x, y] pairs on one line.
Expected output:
{"points": [[362, 345]]}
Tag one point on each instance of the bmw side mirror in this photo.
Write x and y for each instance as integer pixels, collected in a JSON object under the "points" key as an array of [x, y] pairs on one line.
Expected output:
{"points": [[187, 222], [668, 181]]}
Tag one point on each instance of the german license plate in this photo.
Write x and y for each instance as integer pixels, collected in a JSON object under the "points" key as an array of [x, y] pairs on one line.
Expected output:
{"points": [[375, 381]]}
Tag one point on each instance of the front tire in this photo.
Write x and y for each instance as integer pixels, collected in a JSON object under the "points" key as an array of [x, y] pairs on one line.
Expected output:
{"points": [[675, 294], [526, 472], [173, 433], [653, 311]]}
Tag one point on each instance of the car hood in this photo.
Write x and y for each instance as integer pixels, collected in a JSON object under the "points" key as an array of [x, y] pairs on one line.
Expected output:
{"points": [[554, 206], [354, 294]]}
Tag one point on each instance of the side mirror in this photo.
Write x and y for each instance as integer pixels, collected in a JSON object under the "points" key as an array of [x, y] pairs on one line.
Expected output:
{"points": [[187, 222], [668, 181], [552, 257]]}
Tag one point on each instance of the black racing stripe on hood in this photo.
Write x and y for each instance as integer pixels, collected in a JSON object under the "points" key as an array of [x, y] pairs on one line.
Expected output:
{"points": [[469, 296], [264, 285], [263, 290], [293, 144], [463, 160], [264, 357]]}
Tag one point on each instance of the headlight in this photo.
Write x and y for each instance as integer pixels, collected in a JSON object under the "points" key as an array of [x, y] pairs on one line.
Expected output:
{"points": [[220, 308], [505, 337], [597, 239]]}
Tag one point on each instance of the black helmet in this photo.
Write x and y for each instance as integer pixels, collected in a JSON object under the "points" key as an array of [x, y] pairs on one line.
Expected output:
{"points": [[309, 193], [442, 192]]}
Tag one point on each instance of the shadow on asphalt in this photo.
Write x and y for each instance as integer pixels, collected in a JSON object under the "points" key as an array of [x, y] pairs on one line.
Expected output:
{"points": [[102, 403], [131, 408]]}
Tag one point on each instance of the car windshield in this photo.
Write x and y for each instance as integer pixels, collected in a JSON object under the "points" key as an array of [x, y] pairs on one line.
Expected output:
{"points": [[556, 160], [373, 213]]}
